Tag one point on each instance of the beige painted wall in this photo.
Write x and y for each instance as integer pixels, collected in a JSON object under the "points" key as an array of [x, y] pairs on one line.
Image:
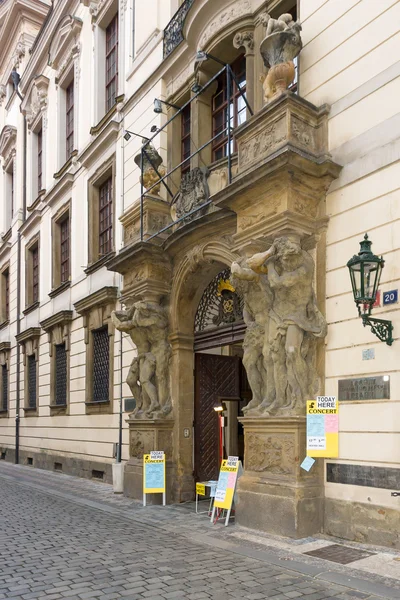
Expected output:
{"points": [[349, 61]]}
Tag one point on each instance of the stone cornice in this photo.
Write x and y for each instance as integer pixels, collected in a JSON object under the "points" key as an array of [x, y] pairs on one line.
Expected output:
{"points": [[97, 147], [105, 295], [61, 318], [5, 346], [40, 48], [33, 11], [35, 100], [64, 39], [29, 334], [61, 188]]}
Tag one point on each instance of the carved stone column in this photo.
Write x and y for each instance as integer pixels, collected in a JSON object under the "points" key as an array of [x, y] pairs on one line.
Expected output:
{"points": [[274, 494], [245, 39], [145, 436]]}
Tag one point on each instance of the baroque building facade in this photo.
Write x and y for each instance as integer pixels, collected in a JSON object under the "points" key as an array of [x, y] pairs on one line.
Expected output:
{"points": [[180, 196]]}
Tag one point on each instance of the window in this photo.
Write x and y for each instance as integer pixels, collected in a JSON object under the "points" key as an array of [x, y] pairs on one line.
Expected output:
{"points": [[5, 293], [60, 375], [32, 381], [39, 159], [101, 190], [32, 274], [237, 108], [111, 63], [101, 362], [58, 329], [96, 311], [61, 232], [35, 274], [105, 217], [4, 387], [69, 120], [185, 139], [10, 194], [64, 249]]}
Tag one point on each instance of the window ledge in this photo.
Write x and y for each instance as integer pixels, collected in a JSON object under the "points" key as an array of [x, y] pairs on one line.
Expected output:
{"points": [[65, 166], [99, 263], [35, 203], [61, 288], [104, 120], [7, 236], [58, 409], [31, 308], [98, 408], [4, 324], [3, 414], [30, 412]]}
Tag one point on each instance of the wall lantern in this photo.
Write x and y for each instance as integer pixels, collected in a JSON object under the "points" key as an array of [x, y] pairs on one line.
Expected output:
{"points": [[365, 272]]}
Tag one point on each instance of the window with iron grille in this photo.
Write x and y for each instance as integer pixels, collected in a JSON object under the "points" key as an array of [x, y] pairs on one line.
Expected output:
{"points": [[35, 273], [32, 381], [4, 386], [69, 120], [6, 294], [64, 249], [185, 139], [39, 159], [60, 373], [101, 364], [236, 108], [111, 63], [105, 217]]}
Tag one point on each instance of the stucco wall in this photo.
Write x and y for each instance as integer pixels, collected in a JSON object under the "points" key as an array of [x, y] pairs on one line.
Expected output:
{"points": [[349, 62]]}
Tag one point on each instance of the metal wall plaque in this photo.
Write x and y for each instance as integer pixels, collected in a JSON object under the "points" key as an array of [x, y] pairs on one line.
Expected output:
{"points": [[376, 477], [365, 388]]}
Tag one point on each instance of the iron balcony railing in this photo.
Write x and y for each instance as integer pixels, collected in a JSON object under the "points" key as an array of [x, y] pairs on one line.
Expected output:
{"points": [[230, 78], [173, 33]]}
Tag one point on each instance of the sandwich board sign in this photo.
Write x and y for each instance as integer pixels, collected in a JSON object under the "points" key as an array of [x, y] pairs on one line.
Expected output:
{"points": [[231, 469], [323, 427], [154, 474]]}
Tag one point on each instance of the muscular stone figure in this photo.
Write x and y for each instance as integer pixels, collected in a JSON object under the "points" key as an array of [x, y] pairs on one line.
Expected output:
{"points": [[143, 367], [256, 357], [153, 318], [294, 320]]}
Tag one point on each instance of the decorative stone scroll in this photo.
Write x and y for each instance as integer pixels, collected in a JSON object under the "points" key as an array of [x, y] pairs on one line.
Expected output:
{"points": [[34, 104], [244, 39]]}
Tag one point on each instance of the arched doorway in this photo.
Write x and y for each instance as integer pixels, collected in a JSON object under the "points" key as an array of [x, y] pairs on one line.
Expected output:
{"points": [[219, 376]]}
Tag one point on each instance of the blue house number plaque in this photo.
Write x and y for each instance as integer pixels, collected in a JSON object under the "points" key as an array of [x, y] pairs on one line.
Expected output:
{"points": [[390, 297]]}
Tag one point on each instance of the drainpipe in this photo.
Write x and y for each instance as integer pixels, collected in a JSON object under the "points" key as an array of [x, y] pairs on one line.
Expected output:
{"points": [[18, 378]]}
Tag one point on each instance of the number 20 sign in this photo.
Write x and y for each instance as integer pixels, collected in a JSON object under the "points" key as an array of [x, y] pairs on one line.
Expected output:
{"points": [[390, 297]]}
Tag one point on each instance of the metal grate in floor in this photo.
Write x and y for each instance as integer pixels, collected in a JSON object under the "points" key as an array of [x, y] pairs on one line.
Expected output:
{"points": [[339, 554]]}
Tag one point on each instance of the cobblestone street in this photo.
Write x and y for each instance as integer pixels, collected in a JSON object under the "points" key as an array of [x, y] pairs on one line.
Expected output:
{"points": [[62, 537]]}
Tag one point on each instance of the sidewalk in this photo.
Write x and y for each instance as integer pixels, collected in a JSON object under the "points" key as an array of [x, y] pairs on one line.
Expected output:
{"points": [[376, 576]]}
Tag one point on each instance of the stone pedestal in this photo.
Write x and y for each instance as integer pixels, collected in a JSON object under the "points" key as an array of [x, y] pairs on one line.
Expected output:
{"points": [[274, 494], [156, 215], [145, 436]]}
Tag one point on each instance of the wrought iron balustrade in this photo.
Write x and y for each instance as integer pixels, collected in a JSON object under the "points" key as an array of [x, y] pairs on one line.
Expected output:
{"points": [[173, 33]]}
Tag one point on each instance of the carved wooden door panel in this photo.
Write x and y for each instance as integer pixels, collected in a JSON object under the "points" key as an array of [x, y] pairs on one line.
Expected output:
{"points": [[214, 376]]}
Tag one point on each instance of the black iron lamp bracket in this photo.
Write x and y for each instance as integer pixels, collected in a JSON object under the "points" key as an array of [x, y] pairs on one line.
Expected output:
{"points": [[381, 328]]}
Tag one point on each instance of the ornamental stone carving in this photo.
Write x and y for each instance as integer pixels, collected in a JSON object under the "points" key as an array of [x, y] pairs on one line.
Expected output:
{"points": [[150, 163], [292, 325], [148, 377], [237, 10], [193, 192], [274, 454], [244, 39], [35, 101], [3, 93], [280, 46]]}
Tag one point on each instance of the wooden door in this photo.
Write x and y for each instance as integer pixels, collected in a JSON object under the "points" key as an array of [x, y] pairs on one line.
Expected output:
{"points": [[215, 376]]}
